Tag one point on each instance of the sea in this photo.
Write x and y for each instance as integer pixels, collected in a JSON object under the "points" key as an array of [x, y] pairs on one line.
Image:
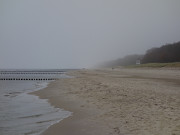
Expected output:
{"points": [[22, 113]]}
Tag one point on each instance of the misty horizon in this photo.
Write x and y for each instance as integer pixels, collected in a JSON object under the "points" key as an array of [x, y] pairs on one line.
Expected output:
{"points": [[60, 34]]}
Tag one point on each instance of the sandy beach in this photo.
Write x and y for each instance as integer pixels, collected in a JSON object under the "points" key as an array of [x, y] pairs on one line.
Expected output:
{"points": [[117, 102]]}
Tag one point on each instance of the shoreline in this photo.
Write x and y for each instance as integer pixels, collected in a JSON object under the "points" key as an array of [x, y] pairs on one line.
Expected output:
{"points": [[81, 116], [116, 102]]}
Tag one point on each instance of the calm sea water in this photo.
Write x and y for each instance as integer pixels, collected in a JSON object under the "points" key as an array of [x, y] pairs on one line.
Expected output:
{"points": [[25, 114]]}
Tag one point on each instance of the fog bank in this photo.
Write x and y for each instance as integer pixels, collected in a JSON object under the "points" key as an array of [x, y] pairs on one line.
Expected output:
{"points": [[82, 33]]}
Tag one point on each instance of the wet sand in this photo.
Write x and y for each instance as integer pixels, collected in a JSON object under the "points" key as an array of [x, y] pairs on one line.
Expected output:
{"points": [[117, 102]]}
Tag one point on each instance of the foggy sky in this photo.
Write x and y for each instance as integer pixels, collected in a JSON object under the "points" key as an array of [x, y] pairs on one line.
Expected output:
{"points": [[82, 33]]}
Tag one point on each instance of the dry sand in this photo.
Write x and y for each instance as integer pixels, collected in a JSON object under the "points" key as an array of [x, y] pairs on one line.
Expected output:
{"points": [[117, 102]]}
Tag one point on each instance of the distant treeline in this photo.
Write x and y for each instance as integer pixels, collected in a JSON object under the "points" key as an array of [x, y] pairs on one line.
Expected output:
{"points": [[164, 54], [127, 60]]}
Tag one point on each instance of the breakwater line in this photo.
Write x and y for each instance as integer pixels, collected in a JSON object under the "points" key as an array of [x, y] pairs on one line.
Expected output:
{"points": [[28, 79], [30, 75]]}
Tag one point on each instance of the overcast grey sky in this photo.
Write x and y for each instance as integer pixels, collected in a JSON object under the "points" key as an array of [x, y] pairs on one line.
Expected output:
{"points": [[81, 33]]}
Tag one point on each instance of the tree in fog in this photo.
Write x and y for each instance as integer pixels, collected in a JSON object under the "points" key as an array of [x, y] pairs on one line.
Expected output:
{"points": [[166, 53]]}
